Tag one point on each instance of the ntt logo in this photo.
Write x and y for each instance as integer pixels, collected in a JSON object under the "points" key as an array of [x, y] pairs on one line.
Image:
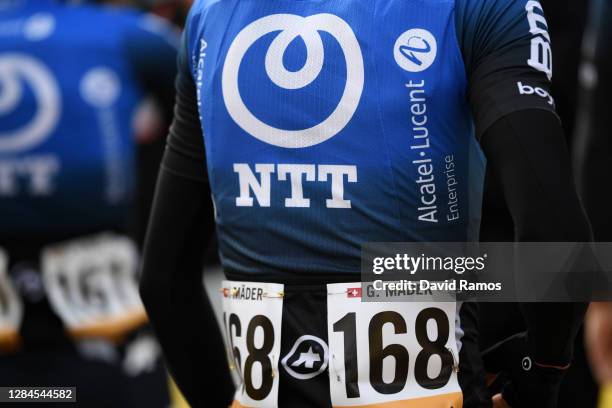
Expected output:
{"points": [[290, 27]]}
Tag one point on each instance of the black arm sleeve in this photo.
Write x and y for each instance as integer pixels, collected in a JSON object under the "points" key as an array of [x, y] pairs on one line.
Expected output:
{"points": [[527, 152], [171, 283], [507, 52]]}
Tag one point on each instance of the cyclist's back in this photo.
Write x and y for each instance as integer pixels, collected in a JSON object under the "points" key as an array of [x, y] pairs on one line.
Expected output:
{"points": [[325, 125], [67, 138], [386, 153]]}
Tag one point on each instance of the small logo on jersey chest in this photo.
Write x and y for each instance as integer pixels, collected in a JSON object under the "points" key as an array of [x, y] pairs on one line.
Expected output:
{"points": [[415, 50], [100, 87]]}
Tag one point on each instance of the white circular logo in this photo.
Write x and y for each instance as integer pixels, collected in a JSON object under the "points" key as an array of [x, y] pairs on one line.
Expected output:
{"points": [[415, 50], [39, 26], [307, 358], [526, 363], [15, 69], [100, 87], [292, 26]]}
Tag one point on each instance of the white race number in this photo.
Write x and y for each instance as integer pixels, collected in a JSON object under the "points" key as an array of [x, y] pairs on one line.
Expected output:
{"points": [[252, 316], [91, 285], [385, 353]]}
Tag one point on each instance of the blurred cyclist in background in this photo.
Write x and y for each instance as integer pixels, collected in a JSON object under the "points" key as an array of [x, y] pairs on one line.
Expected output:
{"points": [[592, 155], [74, 145]]}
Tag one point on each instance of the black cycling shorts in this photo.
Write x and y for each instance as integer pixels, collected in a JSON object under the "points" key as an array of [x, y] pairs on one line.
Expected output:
{"points": [[306, 362]]}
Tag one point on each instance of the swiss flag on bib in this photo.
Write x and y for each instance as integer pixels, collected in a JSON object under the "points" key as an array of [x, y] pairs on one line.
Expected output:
{"points": [[353, 292]]}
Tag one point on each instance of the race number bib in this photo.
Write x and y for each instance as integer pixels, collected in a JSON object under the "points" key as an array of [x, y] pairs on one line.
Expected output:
{"points": [[391, 354], [252, 315], [91, 285], [11, 308]]}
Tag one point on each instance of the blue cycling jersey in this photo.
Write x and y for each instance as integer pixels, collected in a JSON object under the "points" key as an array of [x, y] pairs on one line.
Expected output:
{"points": [[329, 124], [68, 92]]}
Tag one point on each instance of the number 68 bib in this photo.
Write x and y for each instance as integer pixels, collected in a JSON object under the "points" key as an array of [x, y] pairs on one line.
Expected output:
{"points": [[252, 316], [392, 354]]}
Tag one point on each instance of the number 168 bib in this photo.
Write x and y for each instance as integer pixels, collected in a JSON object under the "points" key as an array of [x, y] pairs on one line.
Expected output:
{"points": [[392, 354]]}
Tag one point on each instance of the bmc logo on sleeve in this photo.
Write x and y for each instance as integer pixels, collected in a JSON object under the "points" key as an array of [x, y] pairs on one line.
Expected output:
{"points": [[541, 52]]}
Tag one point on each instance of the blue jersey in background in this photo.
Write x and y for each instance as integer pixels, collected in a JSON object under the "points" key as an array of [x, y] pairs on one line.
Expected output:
{"points": [[68, 93]]}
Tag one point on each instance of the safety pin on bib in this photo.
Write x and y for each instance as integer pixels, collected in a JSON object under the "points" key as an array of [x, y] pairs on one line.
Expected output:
{"points": [[276, 295]]}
